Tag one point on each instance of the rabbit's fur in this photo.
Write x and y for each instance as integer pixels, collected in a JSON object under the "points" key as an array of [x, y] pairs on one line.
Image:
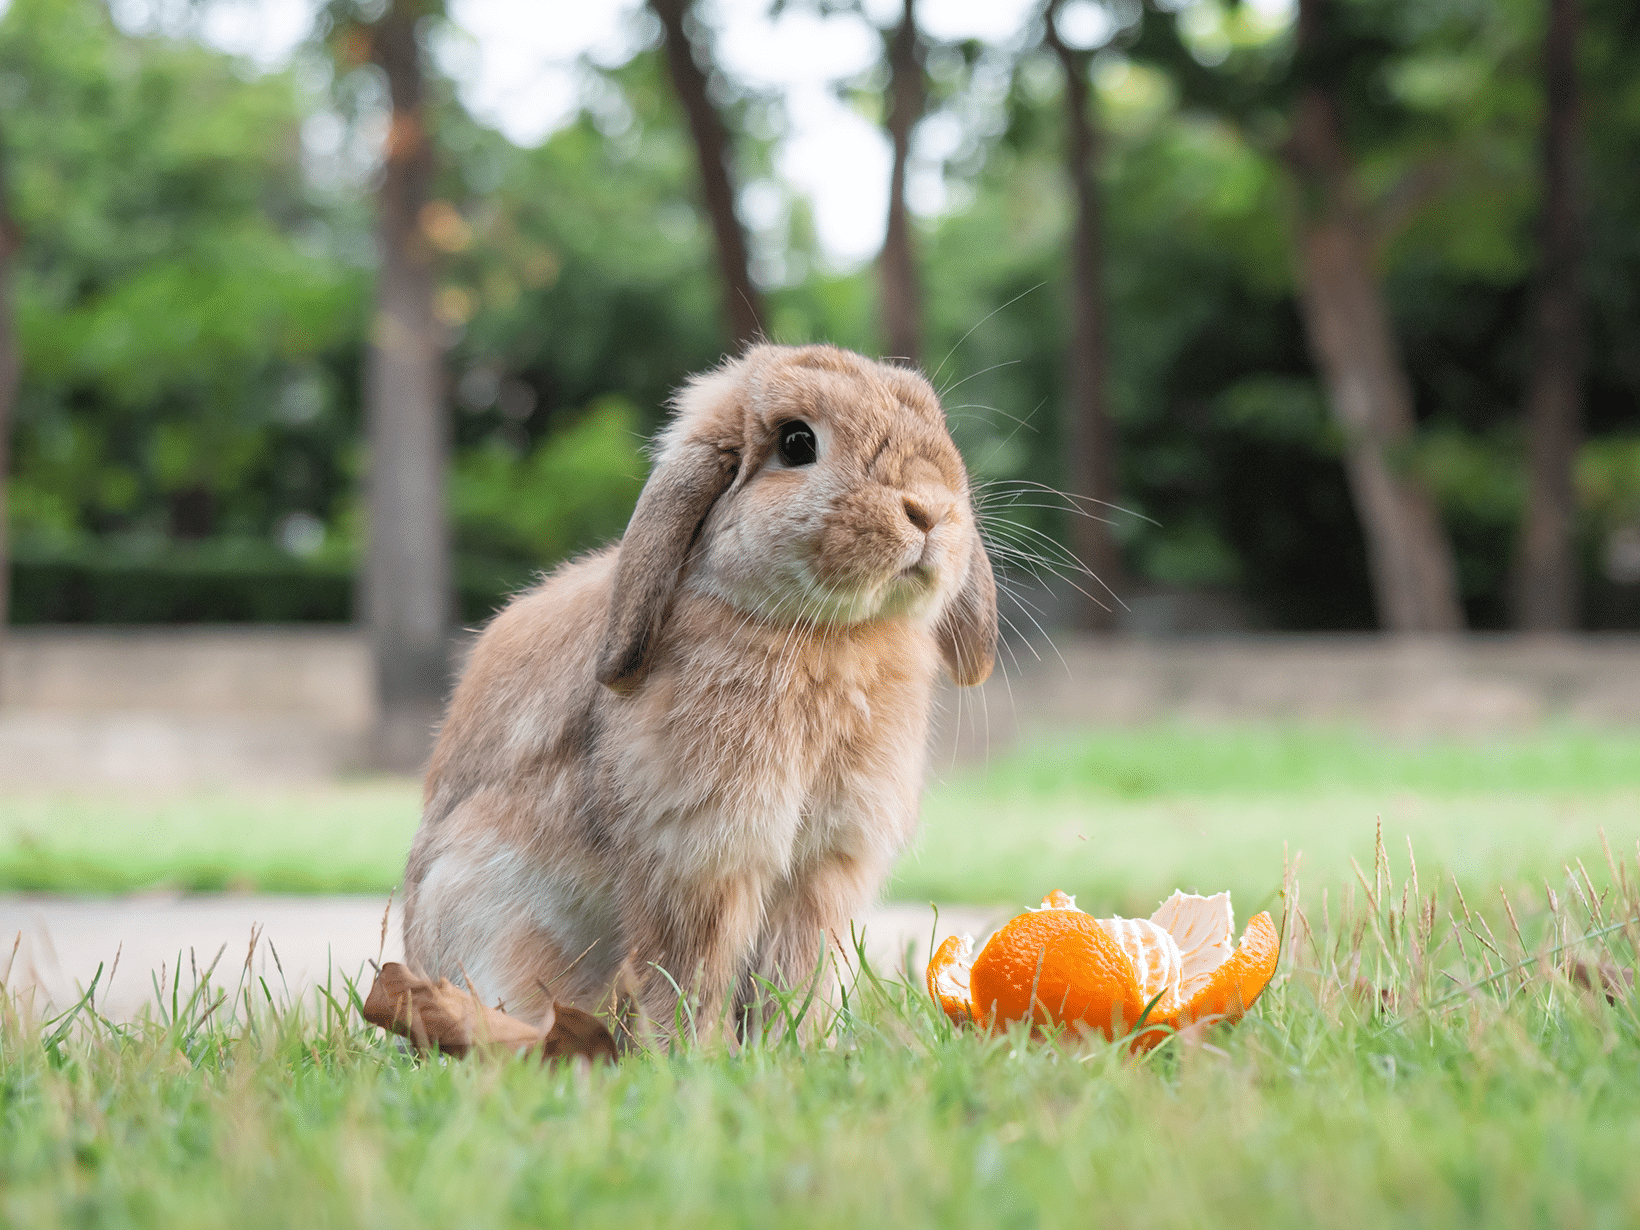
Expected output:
{"points": [[698, 752]]}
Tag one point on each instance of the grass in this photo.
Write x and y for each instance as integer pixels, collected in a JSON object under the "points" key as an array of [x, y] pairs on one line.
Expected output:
{"points": [[349, 836], [1123, 817], [1120, 817], [1420, 1058], [1411, 1064]]}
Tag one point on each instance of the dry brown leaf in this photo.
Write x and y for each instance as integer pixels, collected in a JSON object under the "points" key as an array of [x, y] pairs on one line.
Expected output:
{"points": [[443, 1015], [1604, 977], [1381, 998]]}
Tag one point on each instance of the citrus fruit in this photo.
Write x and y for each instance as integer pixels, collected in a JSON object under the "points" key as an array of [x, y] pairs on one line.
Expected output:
{"points": [[948, 976], [1057, 965]]}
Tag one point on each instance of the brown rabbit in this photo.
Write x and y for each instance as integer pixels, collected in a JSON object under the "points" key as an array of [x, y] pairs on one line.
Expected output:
{"points": [[703, 748]]}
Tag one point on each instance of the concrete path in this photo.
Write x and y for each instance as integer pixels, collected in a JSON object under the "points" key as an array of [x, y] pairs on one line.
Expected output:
{"points": [[59, 942]]}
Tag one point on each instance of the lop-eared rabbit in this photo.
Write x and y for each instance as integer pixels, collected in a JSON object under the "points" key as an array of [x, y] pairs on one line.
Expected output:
{"points": [[698, 752]]}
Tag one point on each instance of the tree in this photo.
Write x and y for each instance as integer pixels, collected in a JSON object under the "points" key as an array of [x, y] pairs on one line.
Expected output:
{"points": [[193, 307], [1336, 244], [1353, 342], [182, 305], [743, 303], [897, 265], [9, 372], [406, 583], [1091, 435], [1546, 598]]}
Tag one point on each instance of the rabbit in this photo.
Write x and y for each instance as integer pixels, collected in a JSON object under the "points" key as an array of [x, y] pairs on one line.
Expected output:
{"points": [[695, 755]]}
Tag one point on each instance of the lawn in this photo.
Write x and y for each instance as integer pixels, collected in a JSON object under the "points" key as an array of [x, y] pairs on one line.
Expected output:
{"points": [[1124, 817], [1419, 1059], [1417, 1069], [1119, 817]]}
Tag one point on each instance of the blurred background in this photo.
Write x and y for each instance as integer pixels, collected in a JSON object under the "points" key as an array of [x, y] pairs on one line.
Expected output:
{"points": [[1297, 300], [327, 326]]}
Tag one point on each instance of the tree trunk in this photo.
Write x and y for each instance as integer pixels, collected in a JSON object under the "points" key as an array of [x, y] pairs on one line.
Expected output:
{"points": [[1091, 434], [743, 303], [1546, 598], [10, 372], [1346, 322], [407, 598], [896, 266]]}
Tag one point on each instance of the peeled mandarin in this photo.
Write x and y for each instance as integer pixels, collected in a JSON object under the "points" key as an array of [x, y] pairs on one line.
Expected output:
{"points": [[1058, 965]]}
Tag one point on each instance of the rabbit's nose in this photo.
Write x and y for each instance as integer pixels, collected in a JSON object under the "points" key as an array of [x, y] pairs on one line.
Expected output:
{"points": [[921, 515]]}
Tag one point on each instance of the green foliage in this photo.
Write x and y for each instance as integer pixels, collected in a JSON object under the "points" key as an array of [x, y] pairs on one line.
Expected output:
{"points": [[1280, 409], [573, 491], [1608, 480], [194, 287], [156, 582], [1441, 107], [217, 580], [580, 269], [168, 289]]}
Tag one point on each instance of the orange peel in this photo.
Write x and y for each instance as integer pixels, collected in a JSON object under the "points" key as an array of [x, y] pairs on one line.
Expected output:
{"points": [[948, 976], [1059, 966]]}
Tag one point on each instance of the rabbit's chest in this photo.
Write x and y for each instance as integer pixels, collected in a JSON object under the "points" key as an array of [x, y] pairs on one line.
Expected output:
{"points": [[863, 776], [797, 758]]}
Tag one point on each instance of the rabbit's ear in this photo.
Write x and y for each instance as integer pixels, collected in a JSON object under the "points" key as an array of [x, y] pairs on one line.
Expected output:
{"points": [[967, 629], [674, 502]]}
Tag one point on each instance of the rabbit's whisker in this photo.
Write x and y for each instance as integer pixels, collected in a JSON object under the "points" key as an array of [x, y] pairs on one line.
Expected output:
{"points": [[975, 375], [982, 320]]}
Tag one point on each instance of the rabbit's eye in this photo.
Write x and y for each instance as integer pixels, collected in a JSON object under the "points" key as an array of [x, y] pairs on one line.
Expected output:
{"points": [[797, 443]]}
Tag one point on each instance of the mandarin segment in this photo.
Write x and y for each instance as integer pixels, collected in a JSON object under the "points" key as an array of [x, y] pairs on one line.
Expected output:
{"points": [[1204, 929], [1155, 958]]}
